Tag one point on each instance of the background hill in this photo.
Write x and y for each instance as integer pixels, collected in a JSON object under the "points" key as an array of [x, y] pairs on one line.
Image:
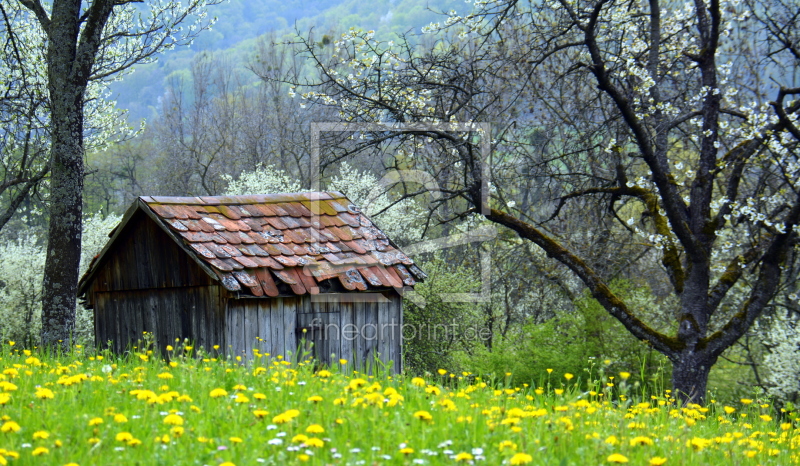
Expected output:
{"points": [[242, 22]]}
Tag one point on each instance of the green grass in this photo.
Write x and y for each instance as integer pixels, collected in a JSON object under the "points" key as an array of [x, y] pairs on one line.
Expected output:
{"points": [[140, 409]]}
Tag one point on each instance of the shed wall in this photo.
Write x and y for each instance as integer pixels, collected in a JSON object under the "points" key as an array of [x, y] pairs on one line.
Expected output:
{"points": [[335, 327], [168, 313]]}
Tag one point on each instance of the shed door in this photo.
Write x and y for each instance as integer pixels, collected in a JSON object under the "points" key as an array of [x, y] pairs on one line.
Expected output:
{"points": [[318, 335]]}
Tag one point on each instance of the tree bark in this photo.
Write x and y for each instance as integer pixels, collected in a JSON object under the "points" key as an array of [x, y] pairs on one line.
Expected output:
{"points": [[690, 371], [64, 235], [66, 85]]}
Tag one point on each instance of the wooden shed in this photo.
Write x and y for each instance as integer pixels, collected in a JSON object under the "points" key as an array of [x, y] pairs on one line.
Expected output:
{"points": [[247, 273]]}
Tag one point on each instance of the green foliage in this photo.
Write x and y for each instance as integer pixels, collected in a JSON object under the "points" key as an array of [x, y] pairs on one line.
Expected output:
{"points": [[572, 341], [438, 333]]}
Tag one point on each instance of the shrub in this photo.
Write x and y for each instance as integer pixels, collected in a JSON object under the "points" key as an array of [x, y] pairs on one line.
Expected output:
{"points": [[21, 272]]}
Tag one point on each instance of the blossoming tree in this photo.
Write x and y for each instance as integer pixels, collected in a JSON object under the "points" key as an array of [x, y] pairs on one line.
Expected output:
{"points": [[669, 125], [87, 42]]}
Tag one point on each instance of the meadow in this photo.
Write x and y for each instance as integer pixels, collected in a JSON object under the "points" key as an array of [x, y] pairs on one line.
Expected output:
{"points": [[93, 408]]}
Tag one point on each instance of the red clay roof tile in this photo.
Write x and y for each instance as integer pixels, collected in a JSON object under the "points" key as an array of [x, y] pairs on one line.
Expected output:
{"points": [[300, 239]]}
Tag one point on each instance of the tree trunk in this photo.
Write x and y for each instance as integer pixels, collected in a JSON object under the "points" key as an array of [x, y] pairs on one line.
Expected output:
{"points": [[64, 235], [690, 371], [67, 75]]}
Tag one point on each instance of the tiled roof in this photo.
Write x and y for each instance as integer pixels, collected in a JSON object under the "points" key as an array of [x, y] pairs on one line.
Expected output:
{"points": [[254, 242]]}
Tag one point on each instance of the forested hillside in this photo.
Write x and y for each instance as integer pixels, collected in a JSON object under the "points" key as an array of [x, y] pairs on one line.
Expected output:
{"points": [[241, 22]]}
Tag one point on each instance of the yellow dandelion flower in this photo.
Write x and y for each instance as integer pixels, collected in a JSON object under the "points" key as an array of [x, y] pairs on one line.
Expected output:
{"points": [[303, 457], [612, 440], [520, 458], [766, 417], [41, 434], [44, 393], [10, 426], [95, 421], [464, 456], [625, 375], [423, 415], [315, 429], [8, 386], [165, 375], [235, 440], [299, 438], [568, 376], [729, 410], [124, 437], [218, 393], [641, 440], [418, 382], [120, 418], [343, 361], [442, 372], [259, 396], [617, 458], [39, 451], [657, 461], [746, 401], [93, 440], [173, 420], [285, 417], [506, 444], [260, 413], [177, 431], [559, 391], [227, 463], [240, 398], [406, 451], [315, 442], [324, 373], [433, 390], [314, 399], [4, 398]]}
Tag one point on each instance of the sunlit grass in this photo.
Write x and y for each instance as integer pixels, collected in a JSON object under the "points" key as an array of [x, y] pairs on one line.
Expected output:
{"points": [[100, 409]]}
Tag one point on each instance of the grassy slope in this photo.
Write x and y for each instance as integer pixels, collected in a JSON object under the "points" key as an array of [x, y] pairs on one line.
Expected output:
{"points": [[141, 410]]}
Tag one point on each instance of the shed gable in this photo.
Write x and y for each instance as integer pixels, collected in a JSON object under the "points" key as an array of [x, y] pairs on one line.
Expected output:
{"points": [[144, 256]]}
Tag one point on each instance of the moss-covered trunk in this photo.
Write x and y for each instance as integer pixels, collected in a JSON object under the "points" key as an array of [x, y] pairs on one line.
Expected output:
{"points": [[67, 79]]}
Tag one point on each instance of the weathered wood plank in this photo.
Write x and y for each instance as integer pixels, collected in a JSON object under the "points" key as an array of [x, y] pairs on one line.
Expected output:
{"points": [[359, 348], [370, 334], [250, 325], [333, 342], [276, 315], [348, 327], [397, 341], [290, 306], [264, 333], [384, 343]]}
